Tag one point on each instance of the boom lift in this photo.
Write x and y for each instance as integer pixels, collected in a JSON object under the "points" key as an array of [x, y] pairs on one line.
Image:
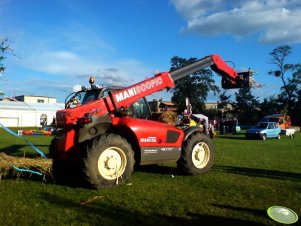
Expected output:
{"points": [[103, 132]]}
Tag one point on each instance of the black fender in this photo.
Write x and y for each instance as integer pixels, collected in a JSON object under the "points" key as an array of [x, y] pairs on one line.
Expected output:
{"points": [[99, 126], [190, 130]]}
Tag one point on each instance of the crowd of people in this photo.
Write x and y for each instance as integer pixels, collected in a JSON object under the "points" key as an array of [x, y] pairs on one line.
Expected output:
{"points": [[224, 126], [227, 126]]}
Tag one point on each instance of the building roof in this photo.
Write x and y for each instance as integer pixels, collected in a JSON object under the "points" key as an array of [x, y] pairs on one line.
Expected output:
{"points": [[8, 105], [167, 103], [34, 96]]}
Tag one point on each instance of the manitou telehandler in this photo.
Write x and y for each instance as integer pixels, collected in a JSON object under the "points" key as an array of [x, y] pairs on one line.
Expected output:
{"points": [[103, 132]]}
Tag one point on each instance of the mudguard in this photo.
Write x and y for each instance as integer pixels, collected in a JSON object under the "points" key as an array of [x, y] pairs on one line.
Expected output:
{"points": [[190, 130]]}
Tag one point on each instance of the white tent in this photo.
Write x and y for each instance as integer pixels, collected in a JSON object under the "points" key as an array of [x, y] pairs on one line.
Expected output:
{"points": [[201, 116], [21, 114]]}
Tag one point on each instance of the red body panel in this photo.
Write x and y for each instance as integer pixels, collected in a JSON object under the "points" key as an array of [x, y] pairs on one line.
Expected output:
{"points": [[65, 141], [158, 142], [150, 133]]}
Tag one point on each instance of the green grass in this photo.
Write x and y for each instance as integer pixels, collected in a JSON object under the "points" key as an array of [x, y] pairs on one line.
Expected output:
{"points": [[248, 177]]}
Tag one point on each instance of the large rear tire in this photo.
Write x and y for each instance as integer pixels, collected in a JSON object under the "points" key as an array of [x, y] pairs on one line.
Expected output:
{"points": [[109, 161], [197, 155]]}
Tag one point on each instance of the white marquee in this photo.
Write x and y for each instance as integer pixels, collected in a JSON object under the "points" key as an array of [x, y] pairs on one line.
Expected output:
{"points": [[21, 114]]}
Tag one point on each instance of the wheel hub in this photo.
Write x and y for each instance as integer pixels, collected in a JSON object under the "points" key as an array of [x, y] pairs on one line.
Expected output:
{"points": [[109, 163], [112, 163], [200, 155]]}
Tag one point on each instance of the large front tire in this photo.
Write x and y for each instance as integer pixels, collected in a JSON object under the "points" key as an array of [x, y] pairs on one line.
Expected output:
{"points": [[62, 171], [197, 155], [109, 161], [58, 167]]}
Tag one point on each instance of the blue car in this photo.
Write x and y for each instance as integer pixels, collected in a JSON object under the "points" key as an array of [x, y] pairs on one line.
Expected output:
{"points": [[264, 130]]}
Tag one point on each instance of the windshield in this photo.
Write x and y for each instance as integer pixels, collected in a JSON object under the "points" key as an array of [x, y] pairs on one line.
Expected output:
{"points": [[270, 119], [81, 97], [261, 125], [140, 109], [90, 95]]}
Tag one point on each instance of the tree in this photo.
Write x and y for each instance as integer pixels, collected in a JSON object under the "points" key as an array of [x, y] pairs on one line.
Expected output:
{"points": [[4, 48], [295, 110], [246, 106], [270, 106], [289, 75], [296, 119], [195, 87], [223, 102]]}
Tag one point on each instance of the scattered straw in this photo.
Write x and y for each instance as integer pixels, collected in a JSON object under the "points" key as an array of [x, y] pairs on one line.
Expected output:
{"points": [[92, 199]]}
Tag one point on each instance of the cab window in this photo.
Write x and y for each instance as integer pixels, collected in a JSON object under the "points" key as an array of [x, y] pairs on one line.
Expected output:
{"points": [[140, 109], [90, 95]]}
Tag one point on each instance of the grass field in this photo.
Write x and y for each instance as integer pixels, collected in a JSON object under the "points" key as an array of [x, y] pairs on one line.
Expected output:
{"points": [[248, 177]]}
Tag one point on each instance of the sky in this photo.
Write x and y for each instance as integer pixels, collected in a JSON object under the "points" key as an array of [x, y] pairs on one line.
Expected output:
{"points": [[59, 44]]}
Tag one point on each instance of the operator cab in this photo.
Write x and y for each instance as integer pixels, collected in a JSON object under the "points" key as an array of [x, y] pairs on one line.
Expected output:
{"points": [[139, 109], [86, 95]]}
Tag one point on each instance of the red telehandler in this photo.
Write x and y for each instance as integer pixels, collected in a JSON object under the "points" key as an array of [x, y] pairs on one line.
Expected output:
{"points": [[103, 132]]}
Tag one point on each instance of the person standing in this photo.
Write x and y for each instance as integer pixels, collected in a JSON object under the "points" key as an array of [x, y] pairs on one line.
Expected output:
{"points": [[234, 124], [211, 129], [221, 127]]}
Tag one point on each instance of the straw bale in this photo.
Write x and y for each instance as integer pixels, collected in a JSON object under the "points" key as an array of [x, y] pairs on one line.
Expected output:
{"points": [[7, 164], [168, 117]]}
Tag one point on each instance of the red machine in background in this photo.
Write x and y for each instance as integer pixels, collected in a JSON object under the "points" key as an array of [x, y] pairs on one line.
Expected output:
{"points": [[104, 131]]}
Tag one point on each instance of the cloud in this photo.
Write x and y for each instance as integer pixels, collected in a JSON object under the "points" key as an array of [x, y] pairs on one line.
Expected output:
{"points": [[76, 88], [61, 62], [61, 72], [68, 55], [51, 72], [274, 21], [112, 77]]}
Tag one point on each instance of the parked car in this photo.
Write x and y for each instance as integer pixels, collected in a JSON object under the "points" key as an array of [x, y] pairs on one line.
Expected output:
{"points": [[264, 130]]}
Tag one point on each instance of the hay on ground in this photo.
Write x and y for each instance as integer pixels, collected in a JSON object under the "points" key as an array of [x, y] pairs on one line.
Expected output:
{"points": [[7, 164]]}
